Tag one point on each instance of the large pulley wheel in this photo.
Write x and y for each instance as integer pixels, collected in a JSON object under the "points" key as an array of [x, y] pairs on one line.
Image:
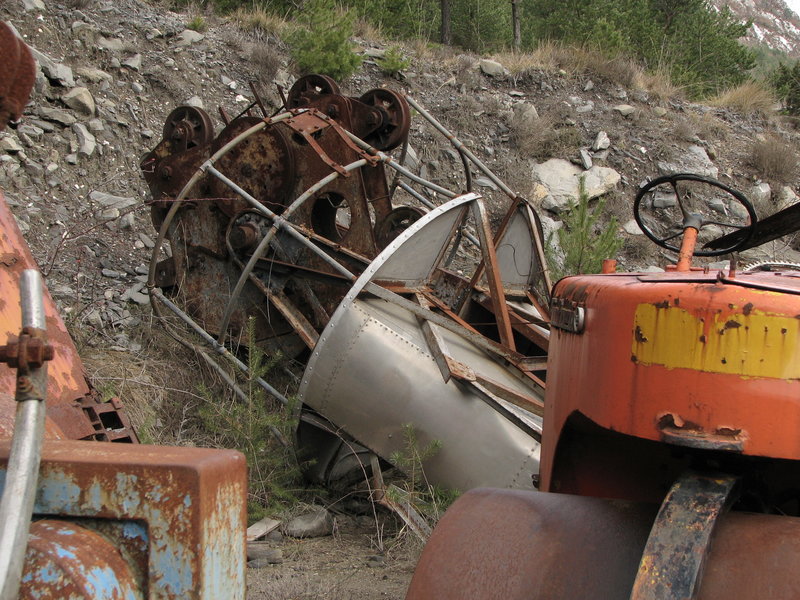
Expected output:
{"points": [[395, 223], [308, 88], [262, 164], [666, 206], [395, 118], [187, 127]]}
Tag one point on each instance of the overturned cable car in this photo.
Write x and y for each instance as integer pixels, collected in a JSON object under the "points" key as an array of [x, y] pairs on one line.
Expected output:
{"points": [[407, 312]]}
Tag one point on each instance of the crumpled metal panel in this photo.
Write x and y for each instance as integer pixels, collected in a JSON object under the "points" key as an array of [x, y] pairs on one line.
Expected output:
{"points": [[190, 500], [371, 372]]}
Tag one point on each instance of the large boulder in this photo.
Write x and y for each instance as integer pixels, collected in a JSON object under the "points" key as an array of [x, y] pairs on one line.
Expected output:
{"points": [[562, 180]]}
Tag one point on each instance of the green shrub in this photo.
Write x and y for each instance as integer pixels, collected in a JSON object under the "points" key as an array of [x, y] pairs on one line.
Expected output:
{"points": [[584, 241], [786, 81], [197, 23], [261, 429], [322, 44], [392, 63]]}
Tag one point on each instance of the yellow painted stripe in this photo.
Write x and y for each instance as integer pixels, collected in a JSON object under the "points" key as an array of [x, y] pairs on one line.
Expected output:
{"points": [[753, 345]]}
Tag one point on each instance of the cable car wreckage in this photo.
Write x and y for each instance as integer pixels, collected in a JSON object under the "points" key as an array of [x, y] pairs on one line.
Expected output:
{"points": [[653, 379], [290, 220]]}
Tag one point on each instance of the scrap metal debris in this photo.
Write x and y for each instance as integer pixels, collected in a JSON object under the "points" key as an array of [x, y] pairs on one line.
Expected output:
{"points": [[404, 310]]}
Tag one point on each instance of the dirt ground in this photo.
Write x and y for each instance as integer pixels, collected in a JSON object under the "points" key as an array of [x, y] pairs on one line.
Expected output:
{"points": [[344, 566]]}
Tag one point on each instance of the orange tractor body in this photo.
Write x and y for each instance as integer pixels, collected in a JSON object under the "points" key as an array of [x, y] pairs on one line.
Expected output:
{"points": [[671, 440]]}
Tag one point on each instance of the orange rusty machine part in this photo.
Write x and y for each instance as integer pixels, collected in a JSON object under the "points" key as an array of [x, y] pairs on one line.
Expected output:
{"points": [[670, 453], [82, 519]]}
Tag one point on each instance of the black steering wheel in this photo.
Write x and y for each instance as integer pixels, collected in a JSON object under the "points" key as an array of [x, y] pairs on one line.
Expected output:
{"points": [[664, 210]]}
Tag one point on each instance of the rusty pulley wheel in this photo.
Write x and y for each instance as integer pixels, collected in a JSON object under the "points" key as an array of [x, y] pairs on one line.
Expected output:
{"points": [[262, 164], [307, 89], [396, 118], [187, 127], [395, 223]]}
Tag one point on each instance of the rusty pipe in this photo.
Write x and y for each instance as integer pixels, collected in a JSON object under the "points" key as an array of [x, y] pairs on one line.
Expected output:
{"points": [[16, 506], [219, 348], [459, 145]]}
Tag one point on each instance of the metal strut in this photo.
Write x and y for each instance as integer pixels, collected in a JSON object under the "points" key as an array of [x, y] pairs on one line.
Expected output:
{"points": [[672, 564]]}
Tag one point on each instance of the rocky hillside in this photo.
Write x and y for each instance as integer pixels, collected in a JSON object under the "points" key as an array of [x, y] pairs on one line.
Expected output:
{"points": [[775, 24], [110, 72]]}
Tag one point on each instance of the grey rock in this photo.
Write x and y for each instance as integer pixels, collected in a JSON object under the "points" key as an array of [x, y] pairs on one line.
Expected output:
{"points": [[660, 111], [134, 62], [85, 32], [32, 131], [45, 126], [588, 106], [32, 5], [127, 221], [625, 110], [485, 182], [110, 201], [619, 94], [524, 117], [195, 101], [585, 159], [318, 523], [601, 142], [632, 227], [10, 145], [588, 86], [86, 141], [111, 44], [146, 240], [80, 100], [264, 551], [93, 75], [95, 125], [376, 560], [561, 179], [137, 87], [94, 318], [760, 193], [57, 115], [693, 160], [664, 199], [491, 67], [187, 37], [652, 269], [786, 198], [56, 73], [71, 158], [110, 273]]}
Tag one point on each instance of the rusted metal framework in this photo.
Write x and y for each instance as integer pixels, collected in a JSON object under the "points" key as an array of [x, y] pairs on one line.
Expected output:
{"points": [[284, 219]]}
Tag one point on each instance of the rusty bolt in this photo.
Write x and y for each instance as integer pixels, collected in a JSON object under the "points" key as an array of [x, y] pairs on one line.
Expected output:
{"points": [[26, 353]]}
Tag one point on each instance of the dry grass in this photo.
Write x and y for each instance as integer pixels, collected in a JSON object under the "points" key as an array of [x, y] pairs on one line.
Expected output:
{"points": [[705, 126], [545, 138], [751, 97], [261, 22], [265, 62], [658, 84], [774, 160], [552, 56], [159, 395]]}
